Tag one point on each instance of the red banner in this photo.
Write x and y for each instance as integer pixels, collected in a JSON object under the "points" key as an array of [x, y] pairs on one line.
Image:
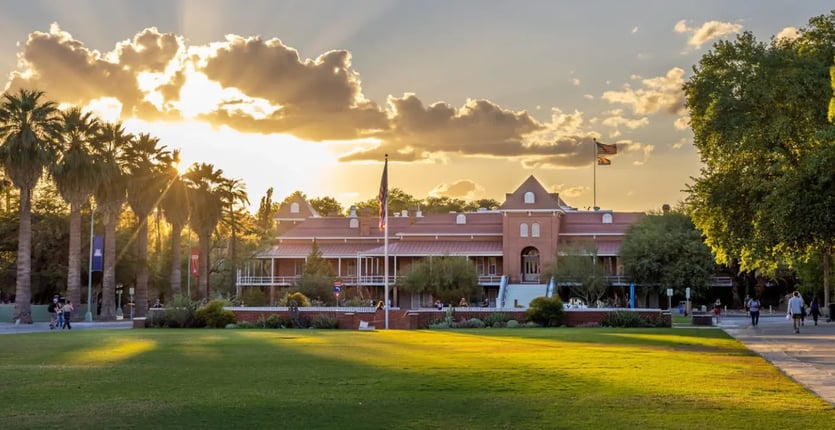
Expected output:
{"points": [[195, 261]]}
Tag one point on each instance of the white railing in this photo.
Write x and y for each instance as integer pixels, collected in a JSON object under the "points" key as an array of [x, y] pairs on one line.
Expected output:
{"points": [[283, 281]]}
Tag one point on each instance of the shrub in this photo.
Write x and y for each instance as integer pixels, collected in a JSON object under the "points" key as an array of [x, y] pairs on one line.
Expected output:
{"points": [[530, 324], [245, 324], [476, 323], [546, 311], [437, 324], [623, 319], [513, 324], [276, 321], [324, 321], [498, 324], [355, 302], [496, 317], [179, 313], [300, 300], [253, 297], [214, 316], [231, 326]]}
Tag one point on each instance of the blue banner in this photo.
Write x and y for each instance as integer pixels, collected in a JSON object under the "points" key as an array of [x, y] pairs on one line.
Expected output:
{"points": [[98, 253], [632, 296]]}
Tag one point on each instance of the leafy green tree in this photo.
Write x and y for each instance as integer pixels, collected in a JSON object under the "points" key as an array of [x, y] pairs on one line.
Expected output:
{"points": [[759, 160], [439, 205], [76, 176], [316, 281], [235, 201], [447, 278], [28, 128], [265, 217], [578, 267], [327, 206], [666, 251]]}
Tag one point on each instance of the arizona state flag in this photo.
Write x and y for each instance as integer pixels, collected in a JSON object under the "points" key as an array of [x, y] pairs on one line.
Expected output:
{"points": [[603, 161], [605, 148]]}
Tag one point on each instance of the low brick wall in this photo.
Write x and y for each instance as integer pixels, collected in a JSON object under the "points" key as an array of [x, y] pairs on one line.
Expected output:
{"points": [[413, 319]]}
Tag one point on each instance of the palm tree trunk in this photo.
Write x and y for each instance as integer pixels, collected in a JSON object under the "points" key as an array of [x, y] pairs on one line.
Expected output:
{"points": [[141, 298], [74, 261], [108, 296], [176, 260], [205, 246], [23, 293]]}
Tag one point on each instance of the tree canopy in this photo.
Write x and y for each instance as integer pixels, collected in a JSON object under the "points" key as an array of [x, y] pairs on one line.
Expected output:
{"points": [[766, 193], [666, 251], [447, 278]]}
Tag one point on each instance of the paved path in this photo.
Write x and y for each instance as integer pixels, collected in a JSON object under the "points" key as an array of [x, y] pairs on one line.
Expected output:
{"points": [[9, 328], [807, 357]]}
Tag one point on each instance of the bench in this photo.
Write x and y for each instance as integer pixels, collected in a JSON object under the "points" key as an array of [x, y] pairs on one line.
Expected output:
{"points": [[702, 319], [364, 325]]}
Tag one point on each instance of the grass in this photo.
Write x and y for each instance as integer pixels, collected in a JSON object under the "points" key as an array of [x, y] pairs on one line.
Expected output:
{"points": [[467, 379]]}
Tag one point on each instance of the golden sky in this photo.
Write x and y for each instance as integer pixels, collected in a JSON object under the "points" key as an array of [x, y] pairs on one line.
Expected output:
{"points": [[467, 98]]}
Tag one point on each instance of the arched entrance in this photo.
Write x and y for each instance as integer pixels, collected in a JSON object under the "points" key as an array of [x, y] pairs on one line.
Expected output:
{"points": [[530, 264]]}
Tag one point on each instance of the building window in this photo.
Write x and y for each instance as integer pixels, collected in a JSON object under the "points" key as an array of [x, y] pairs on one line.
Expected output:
{"points": [[523, 230], [479, 266], [298, 267], [351, 268], [607, 218], [461, 219], [354, 223], [535, 229], [491, 266], [294, 208], [529, 198]]}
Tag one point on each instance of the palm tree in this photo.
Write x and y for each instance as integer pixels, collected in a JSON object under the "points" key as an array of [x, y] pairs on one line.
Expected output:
{"points": [[146, 164], [176, 209], [232, 192], [76, 178], [205, 184], [28, 126], [110, 195]]}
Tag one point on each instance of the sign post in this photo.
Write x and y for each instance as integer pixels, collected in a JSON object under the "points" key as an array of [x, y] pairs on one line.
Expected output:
{"points": [[687, 296], [669, 299], [337, 290]]}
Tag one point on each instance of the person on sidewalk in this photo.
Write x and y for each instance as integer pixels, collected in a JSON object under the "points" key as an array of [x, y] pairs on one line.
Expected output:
{"points": [[53, 317], [754, 309], [795, 309], [717, 309], [67, 308], [815, 310]]}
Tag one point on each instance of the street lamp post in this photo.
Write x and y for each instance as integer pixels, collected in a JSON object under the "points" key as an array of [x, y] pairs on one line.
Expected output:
{"points": [[88, 316]]}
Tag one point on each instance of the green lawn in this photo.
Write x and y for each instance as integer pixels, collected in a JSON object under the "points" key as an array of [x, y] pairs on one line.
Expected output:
{"points": [[479, 379]]}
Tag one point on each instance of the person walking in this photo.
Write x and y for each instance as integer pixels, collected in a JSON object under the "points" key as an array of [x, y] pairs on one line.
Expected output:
{"points": [[59, 312], [53, 317], [754, 310], [815, 310], [67, 310], [717, 309], [795, 310]]}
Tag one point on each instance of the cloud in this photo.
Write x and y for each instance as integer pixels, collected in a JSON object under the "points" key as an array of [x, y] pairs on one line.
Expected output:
{"points": [[788, 34], [570, 192], [663, 93], [263, 86], [708, 31], [463, 189]]}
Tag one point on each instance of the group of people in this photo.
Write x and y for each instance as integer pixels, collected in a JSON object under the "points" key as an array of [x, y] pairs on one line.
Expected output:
{"points": [[60, 314], [795, 310]]}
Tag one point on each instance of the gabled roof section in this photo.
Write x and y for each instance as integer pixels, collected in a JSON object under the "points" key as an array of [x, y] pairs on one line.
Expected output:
{"points": [[296, 209], [542, 199]]}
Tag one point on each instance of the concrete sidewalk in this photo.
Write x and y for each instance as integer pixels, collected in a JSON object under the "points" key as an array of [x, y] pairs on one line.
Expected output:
{"points": [[10, 328], [807, 357]]}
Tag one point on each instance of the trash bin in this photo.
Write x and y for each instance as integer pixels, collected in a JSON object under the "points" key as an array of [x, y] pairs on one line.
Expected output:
{"points": [[681, 308]]}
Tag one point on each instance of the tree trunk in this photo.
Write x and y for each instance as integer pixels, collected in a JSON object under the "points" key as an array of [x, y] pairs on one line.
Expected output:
{"points": [[108, 294], [141, 297], [176, 260], [23, 292], [205, 246], [74, 261]]}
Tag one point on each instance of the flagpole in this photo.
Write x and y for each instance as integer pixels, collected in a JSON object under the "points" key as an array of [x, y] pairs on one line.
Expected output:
{"points": [[594, 163], [386, 302]]}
